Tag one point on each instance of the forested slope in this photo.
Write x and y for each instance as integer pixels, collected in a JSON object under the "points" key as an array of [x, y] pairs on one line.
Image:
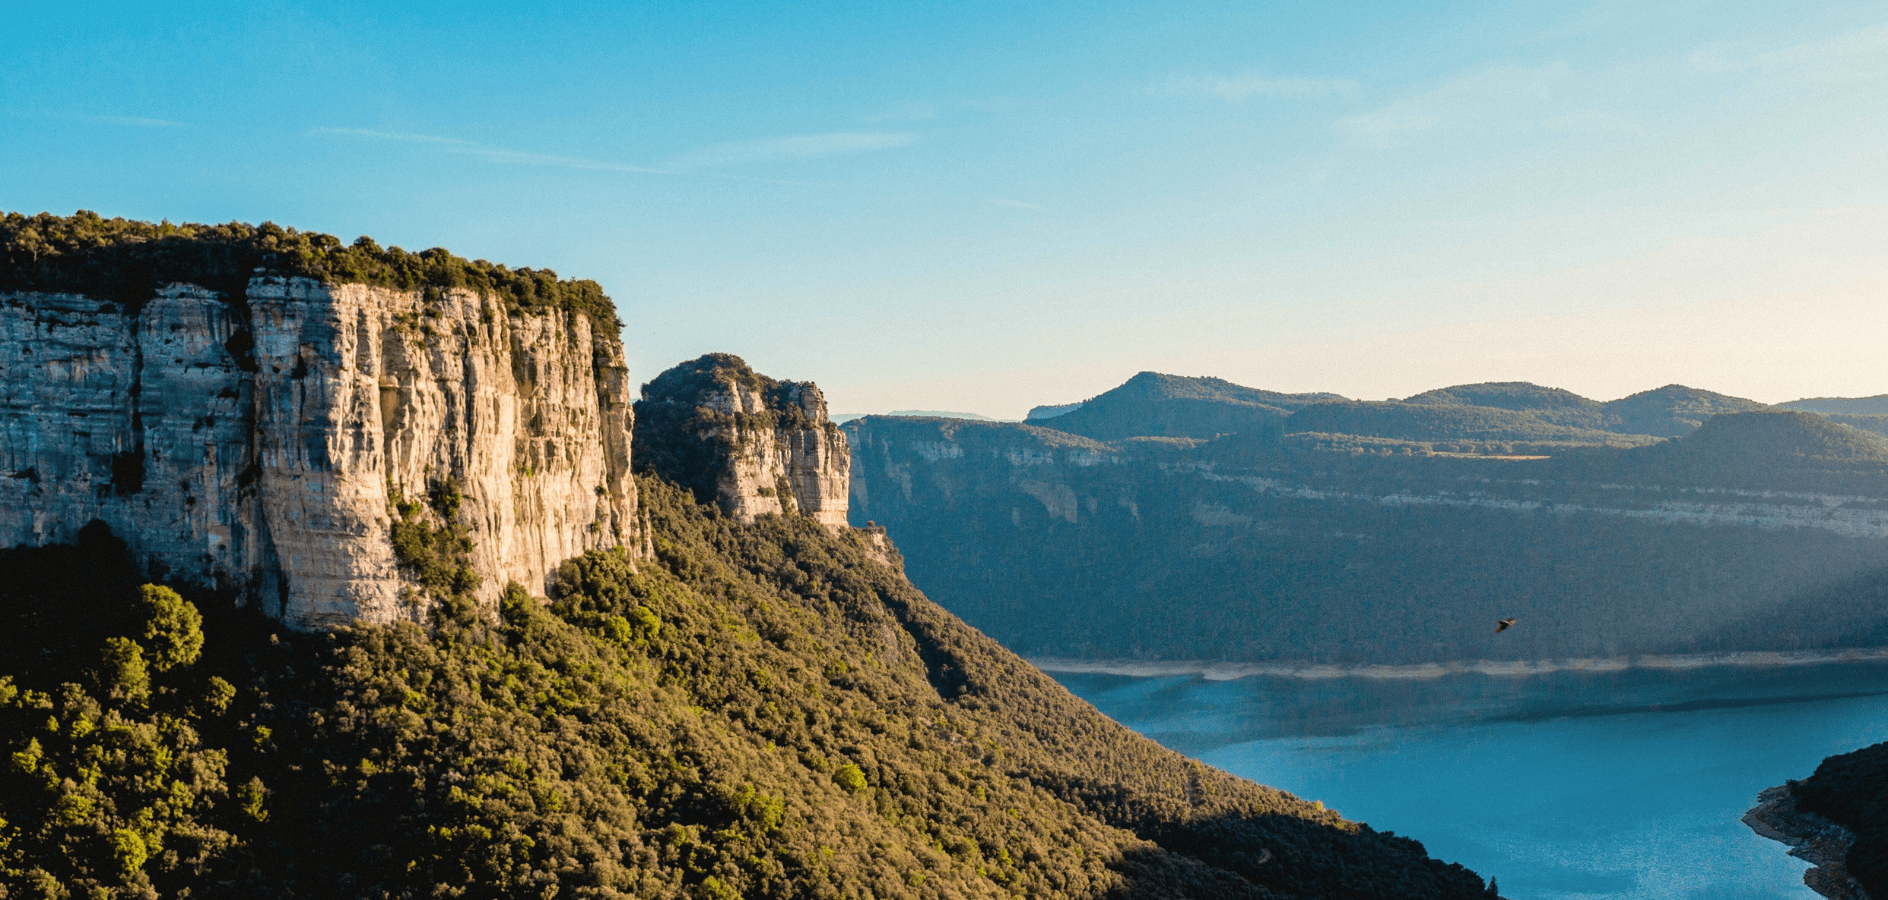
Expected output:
{"points": [[760, 711], [1761, 530]]}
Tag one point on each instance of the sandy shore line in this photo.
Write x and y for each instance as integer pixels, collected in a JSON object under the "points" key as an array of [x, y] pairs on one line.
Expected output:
{"points": [[1229, 671]]}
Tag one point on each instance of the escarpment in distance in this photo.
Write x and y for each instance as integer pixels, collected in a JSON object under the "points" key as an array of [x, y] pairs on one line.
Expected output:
{"points": [[242, 405], [1395, 532]]}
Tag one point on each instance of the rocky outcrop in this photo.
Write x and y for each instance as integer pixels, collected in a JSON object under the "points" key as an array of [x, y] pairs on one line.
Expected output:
{"points": [[753, 445], [1811, 838], [254, 440]]}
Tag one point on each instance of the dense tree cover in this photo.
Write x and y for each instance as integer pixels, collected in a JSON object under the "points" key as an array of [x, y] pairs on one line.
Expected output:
{"points": [[1874, 423], [760, 711], [127, 261], [1855, 406], [1851, 789], [1152, 404], [1246, 549], [1670, 411], [1426, 421]]}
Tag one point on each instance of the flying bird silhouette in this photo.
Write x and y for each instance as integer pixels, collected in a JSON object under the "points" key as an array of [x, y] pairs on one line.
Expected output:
{"points": [[1504, 625]]}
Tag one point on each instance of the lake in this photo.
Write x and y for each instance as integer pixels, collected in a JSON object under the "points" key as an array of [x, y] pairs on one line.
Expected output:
{"points": [[1625, 784]]}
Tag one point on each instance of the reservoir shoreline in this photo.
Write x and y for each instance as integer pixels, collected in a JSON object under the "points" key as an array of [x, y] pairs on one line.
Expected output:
{"points": [[1811, 838], [1231, 671]]}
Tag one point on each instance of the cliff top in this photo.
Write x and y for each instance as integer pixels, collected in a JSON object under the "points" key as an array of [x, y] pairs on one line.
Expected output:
{"points": [[128, 261], [792, 404]]}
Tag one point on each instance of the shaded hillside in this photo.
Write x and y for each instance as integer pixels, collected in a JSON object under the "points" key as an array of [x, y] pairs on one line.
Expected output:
{"points": [[761, 711], [1874, 424], [1152, 404], [1553, 406], [1317, 550], [1445, 421], [1519, 411], [1763, 450], [1849, 406], [1670, 411]]}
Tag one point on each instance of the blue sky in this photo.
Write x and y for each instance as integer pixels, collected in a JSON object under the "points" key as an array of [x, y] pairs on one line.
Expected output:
{"points": [[988, 206]]}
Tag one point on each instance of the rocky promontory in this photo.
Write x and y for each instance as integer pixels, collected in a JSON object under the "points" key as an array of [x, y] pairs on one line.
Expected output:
{"points": [[749, 443], [1811, 838]]}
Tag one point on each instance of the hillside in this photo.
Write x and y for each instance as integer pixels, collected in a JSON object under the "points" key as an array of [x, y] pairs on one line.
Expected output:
{"points": [[1670, 411], [1151, 404], [1760, 531], [764, 710], [1156, 405], [1848, 406], [1447, 421], [1553, 406]]}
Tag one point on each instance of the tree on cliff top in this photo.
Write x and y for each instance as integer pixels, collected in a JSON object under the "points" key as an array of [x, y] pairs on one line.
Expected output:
{"points": [[128, 261], [690, 442]]}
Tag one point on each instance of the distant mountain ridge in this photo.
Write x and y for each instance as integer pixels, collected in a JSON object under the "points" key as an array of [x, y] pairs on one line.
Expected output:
{"points": [[1674, 520], [1854, 406], [1155, 405]]}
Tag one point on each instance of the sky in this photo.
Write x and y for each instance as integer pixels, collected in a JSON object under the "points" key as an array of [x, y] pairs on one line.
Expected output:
{"points": [[984, 207]]}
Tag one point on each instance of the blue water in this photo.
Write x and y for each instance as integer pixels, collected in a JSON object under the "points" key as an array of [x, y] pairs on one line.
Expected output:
{"points": [[1621, 785]]}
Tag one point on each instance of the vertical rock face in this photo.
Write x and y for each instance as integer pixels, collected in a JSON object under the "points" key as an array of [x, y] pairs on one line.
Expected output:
{"points": [[254, 441], [753, 445]]}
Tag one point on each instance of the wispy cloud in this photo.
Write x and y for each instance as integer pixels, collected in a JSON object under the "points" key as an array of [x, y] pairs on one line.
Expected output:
{"points": [[790, 147], [1244, 86], [1498, 96], [138, 122], [1853, 56], [496, 154]]}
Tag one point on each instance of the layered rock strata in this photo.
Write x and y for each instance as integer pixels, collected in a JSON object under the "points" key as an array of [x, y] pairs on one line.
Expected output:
{"points": [[253, 441], [751, 444], [1811, 838]]}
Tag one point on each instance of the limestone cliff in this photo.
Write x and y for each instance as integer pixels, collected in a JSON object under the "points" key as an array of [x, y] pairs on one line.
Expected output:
{"points": [[750, 443], [250, 436]]}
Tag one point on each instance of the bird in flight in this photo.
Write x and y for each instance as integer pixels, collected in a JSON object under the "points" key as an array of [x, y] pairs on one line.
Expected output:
{"points": [[1504, 625]]}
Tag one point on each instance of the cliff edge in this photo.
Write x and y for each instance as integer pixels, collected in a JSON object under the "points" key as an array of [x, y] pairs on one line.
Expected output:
{"points": [[242, 405], [746, 442]]}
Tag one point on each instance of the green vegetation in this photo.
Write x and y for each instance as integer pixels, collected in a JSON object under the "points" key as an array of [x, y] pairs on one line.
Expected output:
{"points": [[1152, 404], [129, 261], [1439, 421], [761, 711], [683, 434], [439, 556], [1341, 548]]}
